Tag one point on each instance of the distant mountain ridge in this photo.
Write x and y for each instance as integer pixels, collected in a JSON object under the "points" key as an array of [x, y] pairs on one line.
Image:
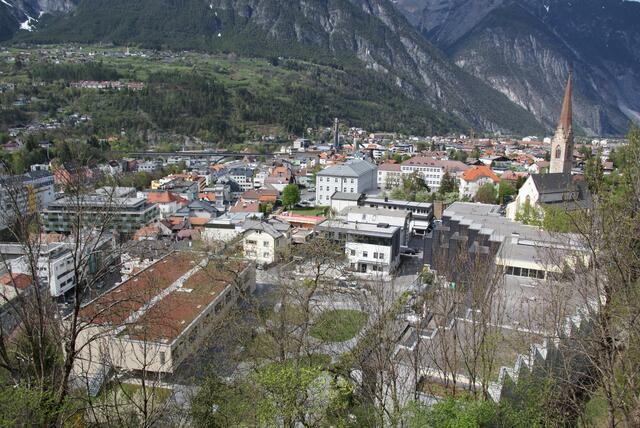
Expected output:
{"points": [[24, 14], [524, 48], [351, 33]]}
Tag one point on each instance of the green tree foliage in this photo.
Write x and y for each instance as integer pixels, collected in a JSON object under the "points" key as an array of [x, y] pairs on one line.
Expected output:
{"points": [[290, 195], [74, 72], [505, 189], [486, 194], [451, 413], [412, 188], [458, 155], [220, 404], [594, 172], [529, 214], [448, 184]]}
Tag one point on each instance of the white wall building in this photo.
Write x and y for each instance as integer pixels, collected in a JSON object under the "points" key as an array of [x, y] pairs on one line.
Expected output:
{"points": [[264, 241], [473, 179], [389, 176], [432, 170], [371, 249], [356, 176]]}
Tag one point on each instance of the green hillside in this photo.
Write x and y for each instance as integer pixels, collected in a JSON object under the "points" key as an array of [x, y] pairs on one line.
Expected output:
{"points": [[216, 97]]}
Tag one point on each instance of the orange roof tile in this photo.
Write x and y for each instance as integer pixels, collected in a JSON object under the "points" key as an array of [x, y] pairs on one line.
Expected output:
{"points": [[478, 172]]}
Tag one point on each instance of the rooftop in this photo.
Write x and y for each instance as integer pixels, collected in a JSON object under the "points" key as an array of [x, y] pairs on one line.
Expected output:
{"points": [[160, 302], [353, 168], [356, 228]]}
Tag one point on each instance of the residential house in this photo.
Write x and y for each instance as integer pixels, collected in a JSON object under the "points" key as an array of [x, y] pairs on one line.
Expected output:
{"points": [[473, 179], [168, 203], [264, 241]]}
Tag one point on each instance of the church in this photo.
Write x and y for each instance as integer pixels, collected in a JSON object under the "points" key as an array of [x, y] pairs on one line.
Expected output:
{"points": [[559, 188]]}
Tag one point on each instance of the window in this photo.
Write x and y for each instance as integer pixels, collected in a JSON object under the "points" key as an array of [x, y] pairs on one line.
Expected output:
{"points": [[365, 254], [162, 358], [375, 255], [265, 255], [251, 242], [558, 152], [265, 244], [353, 252]]}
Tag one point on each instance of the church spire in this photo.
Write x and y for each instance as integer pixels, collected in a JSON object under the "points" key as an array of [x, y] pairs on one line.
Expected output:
{"points": [[562, 143], [566, 116]]}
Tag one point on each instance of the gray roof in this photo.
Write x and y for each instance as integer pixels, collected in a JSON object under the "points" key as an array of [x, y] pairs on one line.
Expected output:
{"points": [[353, 168], [378, 211], [344, 196], [355, 228], [553, 183], [272, 227]]}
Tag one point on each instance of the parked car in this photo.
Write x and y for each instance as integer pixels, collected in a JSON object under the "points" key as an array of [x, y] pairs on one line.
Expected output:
{"points": [[408, 250]]}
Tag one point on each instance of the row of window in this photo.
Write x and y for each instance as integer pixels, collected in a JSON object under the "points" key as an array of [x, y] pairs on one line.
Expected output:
{"points": [[365, 254], [352, 190], [336, 180], [527, 273]]}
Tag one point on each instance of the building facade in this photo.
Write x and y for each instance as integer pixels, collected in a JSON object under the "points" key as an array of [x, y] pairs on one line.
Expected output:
{"points": [[119, 208], [356, 176]]}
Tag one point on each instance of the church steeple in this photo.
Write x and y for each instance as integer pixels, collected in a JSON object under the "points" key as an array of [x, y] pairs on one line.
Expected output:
{"points": [[562, 144]]}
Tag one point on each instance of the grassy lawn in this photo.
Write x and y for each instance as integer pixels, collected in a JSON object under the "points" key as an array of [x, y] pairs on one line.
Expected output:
{"points": [[312, 211], [338, 325]]}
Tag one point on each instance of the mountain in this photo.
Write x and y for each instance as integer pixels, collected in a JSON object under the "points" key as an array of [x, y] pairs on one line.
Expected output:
{"points": [[24, 14], [524, 49], [344, 33]]}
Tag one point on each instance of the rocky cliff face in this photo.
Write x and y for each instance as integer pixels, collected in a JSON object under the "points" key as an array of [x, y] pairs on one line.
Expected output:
{"points": [[524, 49]]}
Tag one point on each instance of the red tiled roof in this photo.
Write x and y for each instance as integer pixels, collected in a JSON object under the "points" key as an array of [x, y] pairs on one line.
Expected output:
{"points": [[388, 166], [19, 280], [114, 307], [245, 207], [164, 198], [478, 172]]}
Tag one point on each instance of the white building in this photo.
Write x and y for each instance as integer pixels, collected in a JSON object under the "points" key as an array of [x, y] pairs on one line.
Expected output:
{"points": [[264, 241], [473, 179], [433, 170], [149, 166], [371, 249], [389, 176], [379, 215], [356, 176], [56, 262], [227, 227], [243, 177]]}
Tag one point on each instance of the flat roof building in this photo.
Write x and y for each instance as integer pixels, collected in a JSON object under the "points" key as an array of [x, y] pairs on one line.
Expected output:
{"points": [[119, 207], [160, 316]]}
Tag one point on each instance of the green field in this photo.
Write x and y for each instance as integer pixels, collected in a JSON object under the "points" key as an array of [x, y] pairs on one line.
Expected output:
{"points": [[338, 325]]}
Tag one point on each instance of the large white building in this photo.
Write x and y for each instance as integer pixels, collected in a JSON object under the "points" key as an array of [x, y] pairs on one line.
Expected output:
{"points": [[389, 176], [432, 170], [355, 176]]}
